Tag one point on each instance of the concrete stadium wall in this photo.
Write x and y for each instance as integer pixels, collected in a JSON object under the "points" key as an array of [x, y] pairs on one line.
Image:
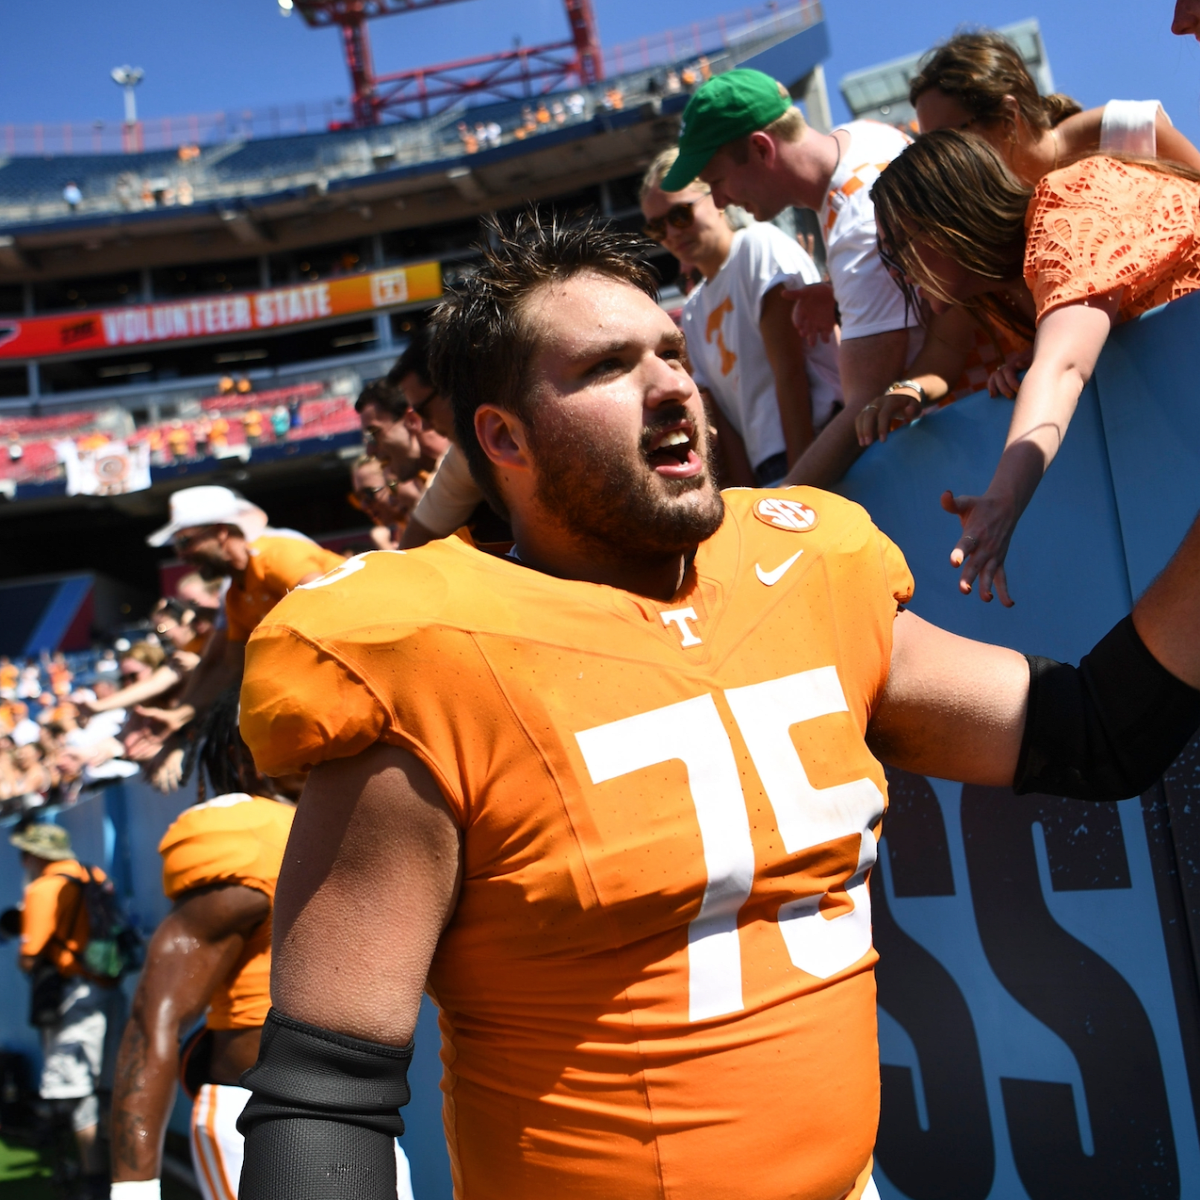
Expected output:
{"points": [[1039, 1003]]}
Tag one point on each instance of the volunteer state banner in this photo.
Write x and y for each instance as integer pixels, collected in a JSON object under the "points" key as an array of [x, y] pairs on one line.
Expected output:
{"points": [[216, 316]]}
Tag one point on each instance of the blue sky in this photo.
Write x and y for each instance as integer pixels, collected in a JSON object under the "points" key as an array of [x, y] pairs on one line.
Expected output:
{"points": [[210, 55]]}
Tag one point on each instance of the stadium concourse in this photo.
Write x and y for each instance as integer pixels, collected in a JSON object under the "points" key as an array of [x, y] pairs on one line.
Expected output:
{"points": [[605, 754]]}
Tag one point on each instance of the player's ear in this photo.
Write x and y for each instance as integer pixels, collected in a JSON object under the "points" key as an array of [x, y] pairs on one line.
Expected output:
{"points": [[503, 438]]}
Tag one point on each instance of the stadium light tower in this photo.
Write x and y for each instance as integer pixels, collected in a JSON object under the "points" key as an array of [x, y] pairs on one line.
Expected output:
{"points": [[128, 78], [508, 75]]}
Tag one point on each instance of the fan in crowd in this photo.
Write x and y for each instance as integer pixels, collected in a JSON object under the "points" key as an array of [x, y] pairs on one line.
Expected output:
{"points": [[978, 82], [452, 499], [767, 395], [1093, 244], [746, 140], [386, 500], [394, 432]]}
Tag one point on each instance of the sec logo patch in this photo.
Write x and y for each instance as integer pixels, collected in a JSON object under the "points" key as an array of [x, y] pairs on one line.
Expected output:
{"points": [[790, 515]]}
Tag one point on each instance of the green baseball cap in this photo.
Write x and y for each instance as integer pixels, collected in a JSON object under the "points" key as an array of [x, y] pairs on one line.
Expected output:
{"points": [[726, 108], [50, 842]]}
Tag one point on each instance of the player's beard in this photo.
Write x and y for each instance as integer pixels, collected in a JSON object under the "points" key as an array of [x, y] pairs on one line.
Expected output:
{"points": [[616, 501]]}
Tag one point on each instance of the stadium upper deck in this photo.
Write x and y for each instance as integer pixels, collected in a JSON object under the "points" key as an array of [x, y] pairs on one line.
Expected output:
{"points": [[250, 216], [207, 313]]}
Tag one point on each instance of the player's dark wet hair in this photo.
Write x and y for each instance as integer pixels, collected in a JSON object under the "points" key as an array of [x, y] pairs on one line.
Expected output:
{"points": [[482, 344], [222, 755]]}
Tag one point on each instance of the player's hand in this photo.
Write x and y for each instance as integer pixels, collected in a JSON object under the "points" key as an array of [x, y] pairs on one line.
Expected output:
{"points": [[884, 414], [814, 312], [1003, 380], [988, 523]]}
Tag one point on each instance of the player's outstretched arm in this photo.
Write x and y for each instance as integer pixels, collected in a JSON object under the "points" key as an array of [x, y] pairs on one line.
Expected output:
{"points": [[369, 881], [952, 707], [194, 948], [959, 709]]}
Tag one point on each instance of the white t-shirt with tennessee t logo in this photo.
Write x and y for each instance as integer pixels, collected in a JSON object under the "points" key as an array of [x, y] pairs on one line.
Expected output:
{"points": [[724, 341], [867, 297]]}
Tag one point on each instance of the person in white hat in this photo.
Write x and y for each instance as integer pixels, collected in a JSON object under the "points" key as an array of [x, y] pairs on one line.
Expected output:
{"points": [[224, 535]]}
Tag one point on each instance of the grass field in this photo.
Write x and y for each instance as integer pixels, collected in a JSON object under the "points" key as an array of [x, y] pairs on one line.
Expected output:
{"points": [[25, 1175]]}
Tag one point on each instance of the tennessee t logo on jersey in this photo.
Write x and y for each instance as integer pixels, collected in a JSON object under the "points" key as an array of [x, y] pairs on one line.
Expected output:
{"points": [[786, 514], [679, 617]]}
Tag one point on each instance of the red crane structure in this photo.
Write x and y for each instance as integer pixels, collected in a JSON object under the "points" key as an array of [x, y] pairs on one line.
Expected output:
{"points": [[510, 75]]}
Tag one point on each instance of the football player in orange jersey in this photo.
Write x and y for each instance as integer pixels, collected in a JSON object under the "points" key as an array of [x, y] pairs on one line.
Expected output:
{"points": [[613, 799], [210, 957]]}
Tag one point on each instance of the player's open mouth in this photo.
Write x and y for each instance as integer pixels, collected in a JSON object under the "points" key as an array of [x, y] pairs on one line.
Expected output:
{"points": [[672, 452]]}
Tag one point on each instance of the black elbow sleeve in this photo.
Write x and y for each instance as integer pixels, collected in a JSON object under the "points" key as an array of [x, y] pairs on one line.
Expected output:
{"points": [[1107, 729], [323, 1116]]}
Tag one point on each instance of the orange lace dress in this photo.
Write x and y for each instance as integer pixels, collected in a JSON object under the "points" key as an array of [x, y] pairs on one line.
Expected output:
{"points": [[1100, 225]]}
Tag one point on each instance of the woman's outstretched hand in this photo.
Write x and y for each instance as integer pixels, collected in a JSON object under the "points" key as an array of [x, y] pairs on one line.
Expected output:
{"points": [[988, 523]]}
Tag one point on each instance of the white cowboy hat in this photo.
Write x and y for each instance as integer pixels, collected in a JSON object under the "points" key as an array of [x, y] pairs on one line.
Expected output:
{"points": [[194, 507]]}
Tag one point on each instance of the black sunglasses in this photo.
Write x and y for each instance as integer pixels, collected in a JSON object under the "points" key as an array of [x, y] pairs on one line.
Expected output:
{"points": [[678, 216]]}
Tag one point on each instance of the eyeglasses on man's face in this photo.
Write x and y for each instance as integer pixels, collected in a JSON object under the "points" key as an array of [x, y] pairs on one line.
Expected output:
{"points": [[678, 216]]}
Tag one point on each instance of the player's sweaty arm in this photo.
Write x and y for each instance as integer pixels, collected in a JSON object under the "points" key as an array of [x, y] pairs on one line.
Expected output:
{"points": [[958, 709], [194, 948], [369, 881]]}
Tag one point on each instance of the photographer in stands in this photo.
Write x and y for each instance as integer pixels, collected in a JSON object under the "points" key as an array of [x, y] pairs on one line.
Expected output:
{"points": [[68, 1003]]}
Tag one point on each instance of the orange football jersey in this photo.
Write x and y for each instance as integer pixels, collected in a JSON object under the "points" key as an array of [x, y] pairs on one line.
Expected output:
{"points": [[232, 839], [658, 981], [277, 564]]}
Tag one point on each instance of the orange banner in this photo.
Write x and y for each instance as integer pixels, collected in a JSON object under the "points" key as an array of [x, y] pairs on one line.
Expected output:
{"points": [[217, 316]]}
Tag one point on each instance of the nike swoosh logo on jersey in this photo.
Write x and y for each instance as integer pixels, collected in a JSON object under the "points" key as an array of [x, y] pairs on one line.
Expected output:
{"points": [[771, 578]]}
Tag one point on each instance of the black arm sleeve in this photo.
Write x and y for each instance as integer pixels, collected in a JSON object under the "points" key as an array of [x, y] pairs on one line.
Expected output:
{"points": [[1107, 729], [324, 1114]]}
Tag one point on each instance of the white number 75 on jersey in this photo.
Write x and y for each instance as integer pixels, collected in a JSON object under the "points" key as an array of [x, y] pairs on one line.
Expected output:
{"points": [[692, 732]]}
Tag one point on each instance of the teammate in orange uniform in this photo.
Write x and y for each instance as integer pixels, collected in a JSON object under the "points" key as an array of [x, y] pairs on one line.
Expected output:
{"points": [[224, 535], [220, 865], [614, 798]]}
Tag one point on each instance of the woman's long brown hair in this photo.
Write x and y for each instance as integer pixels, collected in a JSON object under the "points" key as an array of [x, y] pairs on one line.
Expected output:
{"points": [[955, 192], [980, 70]]}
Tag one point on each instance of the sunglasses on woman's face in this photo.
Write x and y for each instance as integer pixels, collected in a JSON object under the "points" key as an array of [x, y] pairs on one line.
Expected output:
{"points": [[678, 216]]}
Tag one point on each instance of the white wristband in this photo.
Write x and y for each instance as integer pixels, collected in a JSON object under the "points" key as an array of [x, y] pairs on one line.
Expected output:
{"points": [[136, 1189]]}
